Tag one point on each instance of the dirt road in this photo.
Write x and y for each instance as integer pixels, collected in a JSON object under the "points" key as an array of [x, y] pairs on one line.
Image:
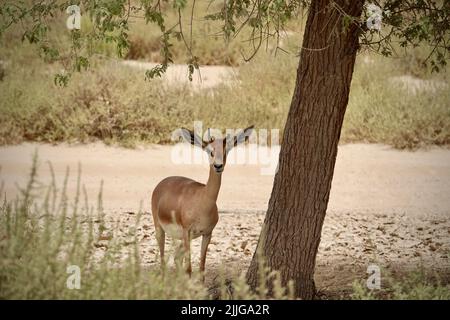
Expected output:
{"points": [[387, 206], [368, 178]]}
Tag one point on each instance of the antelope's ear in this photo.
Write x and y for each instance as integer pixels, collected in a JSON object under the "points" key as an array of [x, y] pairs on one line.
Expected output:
{"points": [[192, 138], [243, 136], [228, 142]]}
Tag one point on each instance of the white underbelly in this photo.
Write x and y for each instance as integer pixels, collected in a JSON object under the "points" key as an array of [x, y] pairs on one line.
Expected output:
{"points": [[173, 230], [200, 230]]}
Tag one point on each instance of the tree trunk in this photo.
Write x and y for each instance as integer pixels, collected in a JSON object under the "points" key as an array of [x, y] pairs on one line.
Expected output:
{"points": [[291, 231]]}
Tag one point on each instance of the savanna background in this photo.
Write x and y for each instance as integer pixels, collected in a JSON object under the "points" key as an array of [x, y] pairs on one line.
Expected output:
{"points": [[79, 162]]}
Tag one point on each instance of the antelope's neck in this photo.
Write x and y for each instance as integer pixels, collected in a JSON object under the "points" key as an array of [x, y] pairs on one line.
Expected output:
{"points": [[213, 184]]}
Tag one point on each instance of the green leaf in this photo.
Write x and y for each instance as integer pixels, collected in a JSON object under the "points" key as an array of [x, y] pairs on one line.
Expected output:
{"points": [[179, 4]]}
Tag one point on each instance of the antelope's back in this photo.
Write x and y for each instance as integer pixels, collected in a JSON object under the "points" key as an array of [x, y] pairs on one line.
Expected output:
{"points": [[171, 195]]}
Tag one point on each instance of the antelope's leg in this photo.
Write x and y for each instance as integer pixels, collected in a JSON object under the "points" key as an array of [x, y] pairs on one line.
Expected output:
{"points": [[205, 242], [187, 250], [161, 239], [178, 256]]}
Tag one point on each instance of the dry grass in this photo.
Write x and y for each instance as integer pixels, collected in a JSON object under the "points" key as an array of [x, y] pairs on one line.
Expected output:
{"points": [[116, 105], [42, 233]]}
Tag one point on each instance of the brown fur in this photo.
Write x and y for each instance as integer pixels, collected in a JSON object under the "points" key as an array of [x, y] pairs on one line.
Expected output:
{"points": [[187, 209]]}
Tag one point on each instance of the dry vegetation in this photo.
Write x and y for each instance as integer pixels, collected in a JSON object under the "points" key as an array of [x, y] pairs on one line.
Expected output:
{"points": [[41, 236], [42, 233], [395, 100]]}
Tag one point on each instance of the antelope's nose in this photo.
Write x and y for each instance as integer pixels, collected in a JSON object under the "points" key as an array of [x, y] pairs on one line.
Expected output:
{"points": [[218, 167]]}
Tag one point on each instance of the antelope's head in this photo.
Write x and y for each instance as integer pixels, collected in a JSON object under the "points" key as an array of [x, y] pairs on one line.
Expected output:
{"points": [[217, 148]]}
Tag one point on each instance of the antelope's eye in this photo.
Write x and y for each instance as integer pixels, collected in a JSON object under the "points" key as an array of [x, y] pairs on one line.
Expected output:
{"points": [[212, 154]]}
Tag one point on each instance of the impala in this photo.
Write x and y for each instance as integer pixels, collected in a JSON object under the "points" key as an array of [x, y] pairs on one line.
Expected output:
{"points": [[186, 209]]}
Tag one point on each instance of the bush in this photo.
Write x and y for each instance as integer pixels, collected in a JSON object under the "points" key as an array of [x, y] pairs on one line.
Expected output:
{"points": [[41, 237], [416, 285]]}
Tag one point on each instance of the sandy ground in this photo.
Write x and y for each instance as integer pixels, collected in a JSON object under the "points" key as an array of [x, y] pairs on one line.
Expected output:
{"points": [[387, 207], [209, 77], [206, 77]]}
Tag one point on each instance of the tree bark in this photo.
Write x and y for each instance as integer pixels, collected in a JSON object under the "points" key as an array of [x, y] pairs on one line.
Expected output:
{"points": [[292, 228]]}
